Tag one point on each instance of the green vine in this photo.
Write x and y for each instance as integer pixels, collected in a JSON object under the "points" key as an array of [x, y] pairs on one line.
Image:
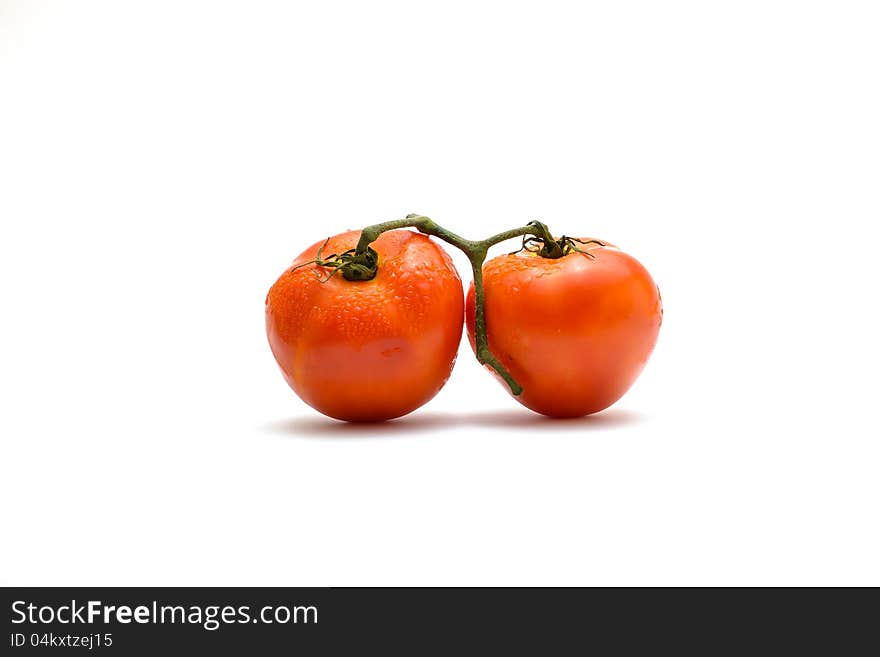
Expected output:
{"points": [[361, 264]]}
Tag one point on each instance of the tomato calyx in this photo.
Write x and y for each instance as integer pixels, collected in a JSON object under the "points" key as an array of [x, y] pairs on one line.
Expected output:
{"points": [[359, 266], [547, 246], [353, 265]]}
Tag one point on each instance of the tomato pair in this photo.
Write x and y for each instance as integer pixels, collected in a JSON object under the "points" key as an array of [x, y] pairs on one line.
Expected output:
{"points": [[574, 330]]}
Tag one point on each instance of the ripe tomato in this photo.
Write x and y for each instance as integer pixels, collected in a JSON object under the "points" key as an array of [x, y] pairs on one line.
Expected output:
{"points": [[575, 331], [368, 350]]}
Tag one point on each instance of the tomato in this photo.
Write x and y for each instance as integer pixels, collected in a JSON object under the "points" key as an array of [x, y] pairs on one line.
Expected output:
{"points": [[575, 331], [368, 350]]}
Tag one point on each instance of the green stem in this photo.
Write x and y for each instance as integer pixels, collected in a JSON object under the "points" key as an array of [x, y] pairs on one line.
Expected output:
{"points": [[476, 252]]}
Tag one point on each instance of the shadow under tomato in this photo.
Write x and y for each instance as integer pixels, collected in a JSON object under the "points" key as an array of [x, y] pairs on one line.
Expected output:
{"points": [[324, 427], [427, 422], [514, 419]]}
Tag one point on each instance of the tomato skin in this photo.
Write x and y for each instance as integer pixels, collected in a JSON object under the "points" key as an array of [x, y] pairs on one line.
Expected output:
{"points": [[366, 351], [574, 332]]}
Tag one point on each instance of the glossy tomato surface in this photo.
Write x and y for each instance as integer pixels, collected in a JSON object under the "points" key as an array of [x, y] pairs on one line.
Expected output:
{"points": [[368, 350], [575, 332]]}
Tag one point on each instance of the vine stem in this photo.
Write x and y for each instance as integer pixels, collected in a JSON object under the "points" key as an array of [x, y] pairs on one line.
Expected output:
{"points": [[476, 251]]}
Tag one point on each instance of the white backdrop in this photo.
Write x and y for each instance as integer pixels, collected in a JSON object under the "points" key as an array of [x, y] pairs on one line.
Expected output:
{"points": [[161, 163]]}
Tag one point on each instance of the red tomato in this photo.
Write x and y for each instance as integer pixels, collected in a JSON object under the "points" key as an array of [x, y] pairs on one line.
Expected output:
{"points": [[575, 331], [368, 350]]}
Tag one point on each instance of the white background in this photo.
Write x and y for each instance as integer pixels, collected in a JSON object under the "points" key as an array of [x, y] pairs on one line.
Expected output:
{"points": [[162, 162]]}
